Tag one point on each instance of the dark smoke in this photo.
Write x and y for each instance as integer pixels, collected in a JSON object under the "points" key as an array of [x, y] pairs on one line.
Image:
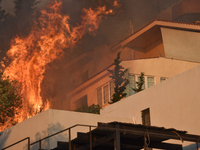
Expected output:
{"points": [[57, 81]]}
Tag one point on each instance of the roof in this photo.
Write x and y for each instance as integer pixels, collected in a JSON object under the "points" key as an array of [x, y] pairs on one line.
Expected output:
{"points": [[129, 137], [152, 33]]}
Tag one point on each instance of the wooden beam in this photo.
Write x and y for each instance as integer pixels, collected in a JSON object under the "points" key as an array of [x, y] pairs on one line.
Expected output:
{"points": [[153, 132], [117, 138], [98, 142]]}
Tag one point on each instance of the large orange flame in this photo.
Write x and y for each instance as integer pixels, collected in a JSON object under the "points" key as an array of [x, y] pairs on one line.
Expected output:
{"points": [[45, 43]]}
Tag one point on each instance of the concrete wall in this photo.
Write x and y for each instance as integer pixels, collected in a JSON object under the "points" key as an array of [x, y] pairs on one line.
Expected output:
{"points": [[173, 103], [156, 67], [183, 45], [35, 128], [155, 50], [49, 122]]}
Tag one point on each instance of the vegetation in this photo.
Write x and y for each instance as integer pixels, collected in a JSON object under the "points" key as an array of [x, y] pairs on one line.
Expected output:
{"points": [[119, 80], [10, 101], [95, 109], [140, 83], [24, 14]]}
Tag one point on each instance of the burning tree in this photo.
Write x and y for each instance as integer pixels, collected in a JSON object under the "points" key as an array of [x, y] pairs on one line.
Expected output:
{"points": [[119, 80], [10, 101], [49, 36]]}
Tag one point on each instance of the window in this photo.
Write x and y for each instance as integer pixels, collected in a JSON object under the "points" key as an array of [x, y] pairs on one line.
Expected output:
{"points": [[146, 117], [162, 79], [150, 81], [131, 84], [138, 79], [99, 96], [112, 86], [105, 93]]}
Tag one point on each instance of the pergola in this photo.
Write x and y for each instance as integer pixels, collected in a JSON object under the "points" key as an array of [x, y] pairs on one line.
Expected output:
{"points": [[123, 136]]}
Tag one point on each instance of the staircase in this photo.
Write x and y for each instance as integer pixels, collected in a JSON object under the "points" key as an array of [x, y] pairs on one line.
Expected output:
{"points": [[123, 136], [119, 136], [101, 139]]}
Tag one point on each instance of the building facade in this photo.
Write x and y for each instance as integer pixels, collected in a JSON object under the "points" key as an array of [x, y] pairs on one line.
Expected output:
{"points": [[161, 50]]}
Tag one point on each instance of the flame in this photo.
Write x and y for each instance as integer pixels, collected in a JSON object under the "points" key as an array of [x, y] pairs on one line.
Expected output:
{"points": [[49, 36], [116, 3]]}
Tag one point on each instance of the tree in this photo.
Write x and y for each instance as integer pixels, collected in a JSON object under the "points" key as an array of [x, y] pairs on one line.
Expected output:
{"points": [[2, 12], [119, 80], [10, 101], [139, 84], [95, 109], [24, 14]]}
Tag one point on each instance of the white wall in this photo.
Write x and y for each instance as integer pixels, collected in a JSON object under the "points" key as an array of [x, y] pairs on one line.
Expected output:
{"points": [[156, 67], [49, 122], [174, 103], [35, 128], [179, 44]]}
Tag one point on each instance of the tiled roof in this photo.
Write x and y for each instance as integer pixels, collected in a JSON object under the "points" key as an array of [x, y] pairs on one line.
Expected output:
{"points": [[179, 22]]}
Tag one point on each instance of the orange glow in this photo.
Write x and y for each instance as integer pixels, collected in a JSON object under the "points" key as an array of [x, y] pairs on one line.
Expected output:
{"points": [[28, 56], [116, 3]]}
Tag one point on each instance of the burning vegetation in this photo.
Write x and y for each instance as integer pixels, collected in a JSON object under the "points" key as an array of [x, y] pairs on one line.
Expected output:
{"points": [[50, 35]]}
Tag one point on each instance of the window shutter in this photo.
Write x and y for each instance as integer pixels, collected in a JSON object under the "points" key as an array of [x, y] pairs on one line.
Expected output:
{"points": [[112, 86], [106, 94], [146, 117], [99, 96]]}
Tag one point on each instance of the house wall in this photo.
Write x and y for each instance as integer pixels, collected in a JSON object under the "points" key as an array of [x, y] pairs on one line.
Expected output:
{"points": [[185, 45], [49, 122], [156, 67], [155, 50], [35, 128], [173, 103]]}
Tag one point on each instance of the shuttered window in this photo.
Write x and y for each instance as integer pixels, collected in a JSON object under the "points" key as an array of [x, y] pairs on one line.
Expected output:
{"points": [[106, 94], [150, 81], [99, 96], [112, 86], [146, 117]]}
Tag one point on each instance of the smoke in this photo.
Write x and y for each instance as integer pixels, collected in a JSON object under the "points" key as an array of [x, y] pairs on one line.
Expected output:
{"points": [[57, 79]]}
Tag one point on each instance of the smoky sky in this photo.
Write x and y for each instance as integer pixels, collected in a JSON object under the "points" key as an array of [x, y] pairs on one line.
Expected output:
{"points": [[113, 28], [139, 12]]}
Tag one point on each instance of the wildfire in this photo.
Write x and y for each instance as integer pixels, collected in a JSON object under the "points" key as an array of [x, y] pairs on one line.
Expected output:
{"points": [[28, 56]]}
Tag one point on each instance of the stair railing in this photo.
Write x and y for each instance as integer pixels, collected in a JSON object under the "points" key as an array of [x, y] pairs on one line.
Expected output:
{"points": [[69, 130]]}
